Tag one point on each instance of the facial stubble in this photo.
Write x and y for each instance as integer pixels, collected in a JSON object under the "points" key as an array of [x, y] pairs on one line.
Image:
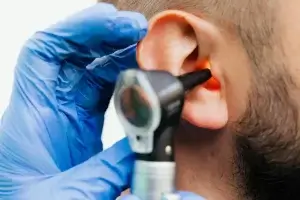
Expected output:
{"points": [[267, 136]]}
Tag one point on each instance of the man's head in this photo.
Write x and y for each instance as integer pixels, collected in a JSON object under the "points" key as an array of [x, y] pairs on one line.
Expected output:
{"points": [[246, 132]]}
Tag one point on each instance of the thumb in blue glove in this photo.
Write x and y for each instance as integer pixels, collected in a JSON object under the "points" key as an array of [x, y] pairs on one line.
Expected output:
{"points": [[182, 196], [103, 176]]}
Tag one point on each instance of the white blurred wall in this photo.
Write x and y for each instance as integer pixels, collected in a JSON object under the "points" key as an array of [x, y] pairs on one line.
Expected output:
{"points": [[19, 20]]}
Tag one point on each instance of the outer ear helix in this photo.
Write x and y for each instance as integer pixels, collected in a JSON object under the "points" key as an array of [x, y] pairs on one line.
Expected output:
{"points": [[212, 83]]}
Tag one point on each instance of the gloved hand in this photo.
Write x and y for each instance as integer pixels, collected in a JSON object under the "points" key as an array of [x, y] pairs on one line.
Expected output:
{"points": [[50, 134], [182, 195]]}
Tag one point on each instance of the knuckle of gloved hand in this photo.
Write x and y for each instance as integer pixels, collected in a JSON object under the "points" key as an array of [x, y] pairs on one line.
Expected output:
{"points": [[125, 30], [42, 45]]}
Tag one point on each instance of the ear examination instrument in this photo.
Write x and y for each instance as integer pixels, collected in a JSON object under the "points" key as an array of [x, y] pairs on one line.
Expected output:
{"points": [[149, 106]]}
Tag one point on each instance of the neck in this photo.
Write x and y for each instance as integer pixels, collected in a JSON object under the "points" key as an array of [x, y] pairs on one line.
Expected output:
{"points": [[205, 163]]}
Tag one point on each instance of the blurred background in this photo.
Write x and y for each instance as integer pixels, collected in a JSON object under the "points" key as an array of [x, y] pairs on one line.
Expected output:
{"points": [[19, 20]]}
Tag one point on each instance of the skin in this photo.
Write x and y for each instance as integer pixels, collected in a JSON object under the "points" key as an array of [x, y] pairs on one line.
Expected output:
{"points": [[240, 140]]}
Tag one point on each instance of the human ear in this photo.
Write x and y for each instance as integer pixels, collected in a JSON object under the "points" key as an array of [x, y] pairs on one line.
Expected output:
{"points": [[180, 42]]}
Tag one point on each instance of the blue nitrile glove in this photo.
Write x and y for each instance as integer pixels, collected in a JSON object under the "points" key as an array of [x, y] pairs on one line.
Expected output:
{"points": [[52, 126], [183, 196]]}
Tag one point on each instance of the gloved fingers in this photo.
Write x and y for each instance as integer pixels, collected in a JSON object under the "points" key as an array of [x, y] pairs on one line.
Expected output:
{"points": [[97, 87], [94, 32], [104, 176], [91, 33]]}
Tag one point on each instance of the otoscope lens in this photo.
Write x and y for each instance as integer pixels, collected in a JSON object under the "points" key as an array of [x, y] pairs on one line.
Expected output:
{"points": [[135, 106]]}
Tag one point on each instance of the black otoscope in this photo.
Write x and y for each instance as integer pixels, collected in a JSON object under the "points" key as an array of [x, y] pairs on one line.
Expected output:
{"points": [[149, 106]]}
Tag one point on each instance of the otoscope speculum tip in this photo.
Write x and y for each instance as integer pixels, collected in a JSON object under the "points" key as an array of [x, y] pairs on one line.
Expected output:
{"points": [[192, 79]]}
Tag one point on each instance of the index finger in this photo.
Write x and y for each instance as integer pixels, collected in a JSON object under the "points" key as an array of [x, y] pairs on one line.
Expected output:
{"points": [[93, 32]]}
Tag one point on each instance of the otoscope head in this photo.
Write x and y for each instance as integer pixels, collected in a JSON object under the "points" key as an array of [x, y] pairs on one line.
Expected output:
{"points": [[149, 104]]}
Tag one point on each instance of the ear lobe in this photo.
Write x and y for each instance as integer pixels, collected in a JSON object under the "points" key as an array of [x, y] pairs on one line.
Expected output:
{"points": [[205, 108], [177, 42]]}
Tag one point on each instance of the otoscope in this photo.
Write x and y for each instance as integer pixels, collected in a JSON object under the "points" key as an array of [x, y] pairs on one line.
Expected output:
{"points": [[149, 106]]}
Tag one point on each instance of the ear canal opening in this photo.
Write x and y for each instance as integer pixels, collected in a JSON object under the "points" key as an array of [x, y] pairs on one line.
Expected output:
{"points": [[194, 55]]}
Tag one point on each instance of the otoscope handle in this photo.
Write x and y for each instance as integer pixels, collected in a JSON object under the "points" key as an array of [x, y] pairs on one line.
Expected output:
{"points": [[153, 180]]}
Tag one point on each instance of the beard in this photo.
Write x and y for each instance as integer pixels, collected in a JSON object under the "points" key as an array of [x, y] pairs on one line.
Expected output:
{"points": [[267, 142]]}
